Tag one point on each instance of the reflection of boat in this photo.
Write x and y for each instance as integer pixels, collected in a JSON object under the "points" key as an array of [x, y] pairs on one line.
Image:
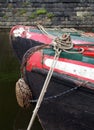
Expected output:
{"points": [[69, 101]]}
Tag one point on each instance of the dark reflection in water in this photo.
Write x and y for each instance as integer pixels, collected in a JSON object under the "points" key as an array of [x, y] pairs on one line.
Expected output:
{"points": [[12, 117]]}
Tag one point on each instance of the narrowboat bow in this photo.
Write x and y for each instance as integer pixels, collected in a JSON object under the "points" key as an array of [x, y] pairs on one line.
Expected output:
{"points": [[68, 103]]}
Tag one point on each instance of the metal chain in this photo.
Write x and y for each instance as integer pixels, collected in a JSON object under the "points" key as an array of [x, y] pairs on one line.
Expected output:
{"points": [[63, 93], [56, 96]]}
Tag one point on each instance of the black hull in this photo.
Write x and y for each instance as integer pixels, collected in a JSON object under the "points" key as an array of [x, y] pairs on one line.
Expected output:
{"points": [[21, 45], [63, 108], [67, 105]]}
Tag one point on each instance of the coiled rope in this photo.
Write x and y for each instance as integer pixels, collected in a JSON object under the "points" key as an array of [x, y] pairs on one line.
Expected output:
{"points": [[64, 42]]}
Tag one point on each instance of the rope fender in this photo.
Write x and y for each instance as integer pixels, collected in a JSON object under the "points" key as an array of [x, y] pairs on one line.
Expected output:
{"points": [[23, 93]]}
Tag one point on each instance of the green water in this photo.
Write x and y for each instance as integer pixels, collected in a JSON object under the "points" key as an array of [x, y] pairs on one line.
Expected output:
{"points": [[12, 117]]}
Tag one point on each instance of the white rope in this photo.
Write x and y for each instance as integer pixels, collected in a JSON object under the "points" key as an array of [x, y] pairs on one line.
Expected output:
{"points": [[44, 89], [45, 32]]}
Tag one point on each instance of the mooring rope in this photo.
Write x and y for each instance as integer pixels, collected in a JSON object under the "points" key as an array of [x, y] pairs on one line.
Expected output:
{"points": [[66, 42]]}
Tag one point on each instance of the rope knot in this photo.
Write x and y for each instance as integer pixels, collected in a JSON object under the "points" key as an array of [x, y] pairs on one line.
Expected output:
{"points": [[63, 43]]}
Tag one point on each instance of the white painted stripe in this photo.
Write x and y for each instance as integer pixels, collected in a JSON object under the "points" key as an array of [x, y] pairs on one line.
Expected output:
{"points": [[74, 69]]}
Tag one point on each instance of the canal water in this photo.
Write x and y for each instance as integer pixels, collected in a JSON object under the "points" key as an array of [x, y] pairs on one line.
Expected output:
{"points": [[12, 117]]}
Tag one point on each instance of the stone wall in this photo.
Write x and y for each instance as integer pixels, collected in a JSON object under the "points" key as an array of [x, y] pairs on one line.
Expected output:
{"points": [[50, 13]]}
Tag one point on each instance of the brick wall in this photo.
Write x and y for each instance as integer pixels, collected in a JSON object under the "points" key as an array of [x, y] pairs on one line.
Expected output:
{"points": [[50, 13]]}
